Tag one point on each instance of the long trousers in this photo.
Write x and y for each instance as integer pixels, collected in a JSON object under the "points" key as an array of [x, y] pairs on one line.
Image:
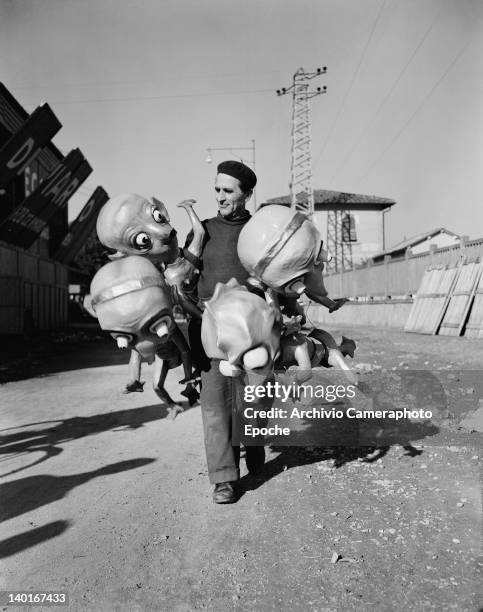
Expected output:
{"points": [[222, 412]]}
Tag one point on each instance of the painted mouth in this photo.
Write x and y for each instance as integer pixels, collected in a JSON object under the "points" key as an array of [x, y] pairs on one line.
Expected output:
{"points": [[168, 240]]}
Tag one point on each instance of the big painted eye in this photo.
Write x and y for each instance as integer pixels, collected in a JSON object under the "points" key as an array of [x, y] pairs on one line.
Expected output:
{"points": [[142, 241], [158, 216]]}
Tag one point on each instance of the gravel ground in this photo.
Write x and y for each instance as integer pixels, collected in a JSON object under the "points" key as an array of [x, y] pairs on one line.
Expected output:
{"points": [[104, 497]]}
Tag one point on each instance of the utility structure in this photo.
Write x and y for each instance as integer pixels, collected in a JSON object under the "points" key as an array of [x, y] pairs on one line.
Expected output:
{"points": [[301, 190], [341, 233]]}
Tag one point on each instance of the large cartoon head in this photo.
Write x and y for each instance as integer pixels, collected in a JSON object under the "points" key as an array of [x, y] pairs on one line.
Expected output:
{"points": [[282, 248], [241, 330], [133, 225], [132, 302]]}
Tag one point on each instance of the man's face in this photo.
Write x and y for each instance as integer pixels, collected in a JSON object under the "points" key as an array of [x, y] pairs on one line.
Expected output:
{"points": [[231, 199]]}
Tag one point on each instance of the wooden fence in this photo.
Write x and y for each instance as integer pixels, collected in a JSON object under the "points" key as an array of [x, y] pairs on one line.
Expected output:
{"points": [[397, 278]]}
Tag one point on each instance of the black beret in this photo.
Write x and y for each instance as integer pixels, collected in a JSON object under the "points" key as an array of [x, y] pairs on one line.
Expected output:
{"points": [[246, 176]]}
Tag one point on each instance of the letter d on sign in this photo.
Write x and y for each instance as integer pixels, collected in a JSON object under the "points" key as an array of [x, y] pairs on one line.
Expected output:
{"points": [[22, 155]]}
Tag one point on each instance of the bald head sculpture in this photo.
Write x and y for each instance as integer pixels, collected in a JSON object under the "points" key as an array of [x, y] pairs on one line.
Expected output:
{"points": [[133, 225]]}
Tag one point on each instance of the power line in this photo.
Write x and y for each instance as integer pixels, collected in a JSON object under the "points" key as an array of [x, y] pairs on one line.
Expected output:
{"points": [[354, 77], [408, 121], [384, 100], [150, 81], [137, 98]]}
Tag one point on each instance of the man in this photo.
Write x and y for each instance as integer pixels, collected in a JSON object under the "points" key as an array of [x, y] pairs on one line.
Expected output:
{"points": [[220, 400]]}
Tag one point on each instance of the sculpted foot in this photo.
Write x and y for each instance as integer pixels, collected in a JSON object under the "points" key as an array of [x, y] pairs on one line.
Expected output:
{"points": [[134, 386], [174, 410]]}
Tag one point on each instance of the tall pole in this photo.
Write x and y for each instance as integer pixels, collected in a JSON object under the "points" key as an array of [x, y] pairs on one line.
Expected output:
{"points": [[301, 190]]}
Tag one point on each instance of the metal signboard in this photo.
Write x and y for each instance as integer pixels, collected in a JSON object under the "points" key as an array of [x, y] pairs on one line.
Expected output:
{"points": [[25, 223], [27, 142]]}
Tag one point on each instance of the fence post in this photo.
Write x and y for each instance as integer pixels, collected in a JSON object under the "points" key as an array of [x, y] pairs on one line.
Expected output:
{"points": [[387, 259], [407, 256]]}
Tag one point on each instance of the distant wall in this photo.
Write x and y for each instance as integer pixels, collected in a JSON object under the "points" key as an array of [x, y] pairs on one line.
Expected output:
{"points": [[33, 292], [381, 294], [396, 278], [384, 313]]}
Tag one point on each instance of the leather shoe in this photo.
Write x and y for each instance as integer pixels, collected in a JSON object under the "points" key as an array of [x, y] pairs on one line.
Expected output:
{"points": [[255, 459], [224, 493]]}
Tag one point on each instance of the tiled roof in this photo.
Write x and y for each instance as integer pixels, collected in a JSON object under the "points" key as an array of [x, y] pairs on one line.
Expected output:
{"points": [[325, 199]]}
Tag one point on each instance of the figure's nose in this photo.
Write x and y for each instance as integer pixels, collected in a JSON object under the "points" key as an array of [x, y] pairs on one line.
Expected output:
{"points": [[147, 350], [220, 197], [314, 281]]}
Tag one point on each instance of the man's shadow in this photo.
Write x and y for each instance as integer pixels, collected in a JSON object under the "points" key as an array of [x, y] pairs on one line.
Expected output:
{"points": [[295, 456], [343, 440]]}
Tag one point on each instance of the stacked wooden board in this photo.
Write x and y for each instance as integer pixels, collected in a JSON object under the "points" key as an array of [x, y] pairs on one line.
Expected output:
{"points": [[445, 298], [431, 299], [474, 325], [460, 299]]}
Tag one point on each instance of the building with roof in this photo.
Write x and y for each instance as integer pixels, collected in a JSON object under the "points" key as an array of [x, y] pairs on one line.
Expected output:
{"points": [[354, 226], [422, 243]]}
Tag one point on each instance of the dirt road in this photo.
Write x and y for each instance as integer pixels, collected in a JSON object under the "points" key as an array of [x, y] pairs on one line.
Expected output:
{"points": [[106, 499]]}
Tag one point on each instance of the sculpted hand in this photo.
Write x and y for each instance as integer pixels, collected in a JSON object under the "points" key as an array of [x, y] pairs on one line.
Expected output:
{"points": [[187, 203]]}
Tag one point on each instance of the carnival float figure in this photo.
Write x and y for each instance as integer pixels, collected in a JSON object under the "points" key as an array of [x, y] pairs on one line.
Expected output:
{"points": [[303, 352], [247, 335], [283, 252], [133, 303], [241, 330], [130, 224]]}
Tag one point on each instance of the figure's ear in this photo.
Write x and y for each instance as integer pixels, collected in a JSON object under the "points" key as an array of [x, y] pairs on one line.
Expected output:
{"points": [[161, 207], [116, 255]]}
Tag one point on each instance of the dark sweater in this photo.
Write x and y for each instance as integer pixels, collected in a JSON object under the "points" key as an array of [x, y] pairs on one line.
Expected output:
{"points": [[220, 257]]}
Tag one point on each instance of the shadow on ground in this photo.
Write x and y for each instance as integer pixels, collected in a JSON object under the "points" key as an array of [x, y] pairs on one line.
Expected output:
{"points": [[27, 494], [24, 440], [32, 537], [325, 432]]}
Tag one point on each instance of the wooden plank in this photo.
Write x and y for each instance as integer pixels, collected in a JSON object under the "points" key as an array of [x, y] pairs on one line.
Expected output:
{"points": [[460, 300], [474, 325], [432, 299], [425, 289]]}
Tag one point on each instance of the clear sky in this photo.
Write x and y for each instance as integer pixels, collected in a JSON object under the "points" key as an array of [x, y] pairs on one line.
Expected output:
{"points": [[144, 87]]}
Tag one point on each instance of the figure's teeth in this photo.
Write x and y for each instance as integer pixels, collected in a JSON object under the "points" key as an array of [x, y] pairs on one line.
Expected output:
{"points": [[122, 342], [162, 330], [227, 369]]}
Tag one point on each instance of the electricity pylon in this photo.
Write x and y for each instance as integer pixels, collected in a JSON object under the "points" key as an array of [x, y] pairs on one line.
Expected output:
{"points": [[301, 190]]}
